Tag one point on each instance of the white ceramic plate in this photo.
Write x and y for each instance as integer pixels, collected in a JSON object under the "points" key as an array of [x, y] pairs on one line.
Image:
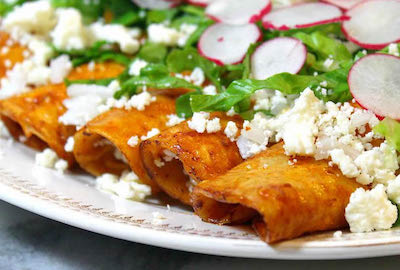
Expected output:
{"points": [[73, 199]]}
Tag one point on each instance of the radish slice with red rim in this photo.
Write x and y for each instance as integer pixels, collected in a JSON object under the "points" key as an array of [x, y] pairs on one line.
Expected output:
{"points": [[238, 11], [282, 54], [374, 82], [302, 15], [373, 24], [227, 44], [343, 4], [156, 4], [201, 3]]}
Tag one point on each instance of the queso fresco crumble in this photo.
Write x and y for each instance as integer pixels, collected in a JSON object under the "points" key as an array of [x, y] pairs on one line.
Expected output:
{"points": [[316, 114]]}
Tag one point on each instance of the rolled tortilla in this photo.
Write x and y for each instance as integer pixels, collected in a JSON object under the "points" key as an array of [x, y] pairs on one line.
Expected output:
{"points": [[35, 113], [96, 143], [291, 200], [180, 157]]}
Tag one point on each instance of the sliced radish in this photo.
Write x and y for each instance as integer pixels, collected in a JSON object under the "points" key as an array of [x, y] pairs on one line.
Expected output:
{"points": [[201, 3], [343, 4], [302, 15], [282, 54], [374, 24], [156, 4], [238, 11], [227, 44], [374, 82]]}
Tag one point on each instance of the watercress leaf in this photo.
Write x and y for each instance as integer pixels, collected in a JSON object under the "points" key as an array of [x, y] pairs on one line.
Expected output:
{"points": [[182, 104], [161, 15], [324, 47], [153, 52], [188, 59], [102, 82]]}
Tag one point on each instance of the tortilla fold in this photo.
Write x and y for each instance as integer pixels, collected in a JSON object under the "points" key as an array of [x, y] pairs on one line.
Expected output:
{"points": [[96, 143], [291, 198], [180, 154], [35, 113]]}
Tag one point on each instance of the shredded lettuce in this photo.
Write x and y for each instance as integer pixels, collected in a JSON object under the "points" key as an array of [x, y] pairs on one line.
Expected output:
{"points": [[153, 52], [154, 76], [102, 82], [188, 59], [390, 129], [96, 53], [321, 47]]}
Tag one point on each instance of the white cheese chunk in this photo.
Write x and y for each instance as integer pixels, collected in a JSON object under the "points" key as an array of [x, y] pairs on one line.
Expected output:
{"points": [[60, 67], [49, 159], [115, 33], [370, 210], [393, 190], [69, 146], [136, 67], [128, 186], [70, 32], [37, 17], [174, 120], [231, 130], [133, 141]]}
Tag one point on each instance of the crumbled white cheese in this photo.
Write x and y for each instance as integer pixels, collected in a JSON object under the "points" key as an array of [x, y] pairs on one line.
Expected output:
{"points": [[160, 33], [60, 67], [150, 134], [231, 112], [138, 102], [328, 63], [133, 141], [128, 186], [344, 162], [393, 190], [69, 146], [298, 127], [84, 103], [174, 120], [231, 130], [115, 33], [370, 210], [49, 159], [136, 67], [37, 17], [197, 76], [70, 32], [213, 125], [254, 136], [270, 100], [377, 165], [199, 121], [210, 90], [61, 165]]}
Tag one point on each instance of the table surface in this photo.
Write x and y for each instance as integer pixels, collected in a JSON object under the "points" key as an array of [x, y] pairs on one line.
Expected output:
{"points": [[29, 241]]}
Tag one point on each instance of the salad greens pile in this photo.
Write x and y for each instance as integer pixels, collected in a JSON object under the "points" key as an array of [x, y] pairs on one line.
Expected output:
{"points": [[329, 59]]}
